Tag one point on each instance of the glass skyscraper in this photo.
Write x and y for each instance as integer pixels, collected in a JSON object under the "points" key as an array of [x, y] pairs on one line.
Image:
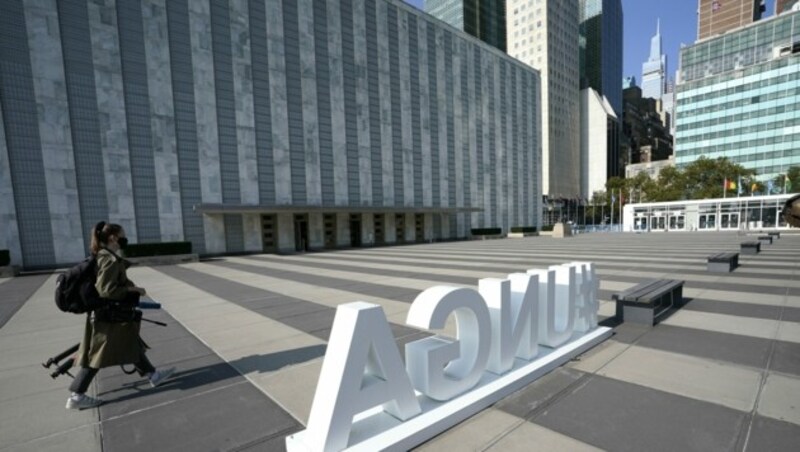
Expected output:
{"points": [[654, 69], [484, 19], [601, 48], [739, 97]]}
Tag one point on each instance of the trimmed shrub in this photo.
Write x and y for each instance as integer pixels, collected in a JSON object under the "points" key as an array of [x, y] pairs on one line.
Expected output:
{"points": [[523, 229], [5, 258], [486, 231], [158, 249], [547, 228]]}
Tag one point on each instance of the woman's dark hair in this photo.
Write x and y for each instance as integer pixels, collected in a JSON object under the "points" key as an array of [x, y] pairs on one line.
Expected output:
{"points": [[100, 234]]}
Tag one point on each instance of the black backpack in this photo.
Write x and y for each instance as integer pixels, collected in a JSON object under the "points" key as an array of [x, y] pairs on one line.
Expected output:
{"points": [[75, 291]]}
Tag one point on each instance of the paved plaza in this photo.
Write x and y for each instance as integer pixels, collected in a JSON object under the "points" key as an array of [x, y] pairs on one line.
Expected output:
{"points": [[248, 334]]}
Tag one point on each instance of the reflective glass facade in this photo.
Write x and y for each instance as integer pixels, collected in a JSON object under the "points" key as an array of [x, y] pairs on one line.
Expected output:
{"points": [[740, 98], [601, 49], [486, 20]]}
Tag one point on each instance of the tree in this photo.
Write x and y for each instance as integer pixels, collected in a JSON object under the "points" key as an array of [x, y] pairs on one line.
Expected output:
{"points": [[788, 182]]}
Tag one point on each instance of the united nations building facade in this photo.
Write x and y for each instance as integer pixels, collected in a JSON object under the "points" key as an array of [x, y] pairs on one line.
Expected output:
{"points": [[256, 125]]}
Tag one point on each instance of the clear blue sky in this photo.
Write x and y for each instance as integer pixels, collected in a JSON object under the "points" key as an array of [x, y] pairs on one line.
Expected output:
{"points": [[678, 25]]}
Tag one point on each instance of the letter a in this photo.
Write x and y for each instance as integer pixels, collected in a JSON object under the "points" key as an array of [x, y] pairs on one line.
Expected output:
{"points": [[362, 369]]}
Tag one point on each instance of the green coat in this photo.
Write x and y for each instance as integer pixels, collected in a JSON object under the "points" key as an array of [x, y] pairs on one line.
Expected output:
{"points": [[107, 344]]}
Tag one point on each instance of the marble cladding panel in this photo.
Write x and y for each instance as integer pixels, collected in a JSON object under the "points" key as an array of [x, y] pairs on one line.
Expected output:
{"points": [[9, 237], [338, 134], [343, 229], [505, 195], [243, 98], [410, 229], [308, 70], [316, 229], [286, 232], [474, 110], [162, 118], [458, 135], [49, 83], [497, 217], [214, 230], [251, 224], [389, 228], [441, 84], [111, 110], [278, 108], [205, 106], [385, 90], [425, 112], [406, 126], [486, 145], [368, 229], [362, 103]]}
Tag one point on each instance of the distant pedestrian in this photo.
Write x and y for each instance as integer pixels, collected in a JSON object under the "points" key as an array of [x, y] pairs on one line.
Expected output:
{"points": [[111, 336]]}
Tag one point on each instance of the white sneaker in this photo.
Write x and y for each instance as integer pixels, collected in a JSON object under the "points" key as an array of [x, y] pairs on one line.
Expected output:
{"points": [[83, 403], [160, 376]]}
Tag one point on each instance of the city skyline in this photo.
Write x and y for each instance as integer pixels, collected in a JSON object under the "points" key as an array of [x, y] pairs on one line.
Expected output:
{"points": [[678, 26]]}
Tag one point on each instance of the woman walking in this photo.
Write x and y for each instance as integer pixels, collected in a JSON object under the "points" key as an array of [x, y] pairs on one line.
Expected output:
{"points": [[111, 336]]}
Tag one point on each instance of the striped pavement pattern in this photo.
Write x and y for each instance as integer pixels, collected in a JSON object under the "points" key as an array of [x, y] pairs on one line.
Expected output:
{"points": [[722, 373]]}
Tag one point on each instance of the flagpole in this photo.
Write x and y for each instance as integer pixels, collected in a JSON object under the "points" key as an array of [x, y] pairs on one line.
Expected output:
{"points": [[725, 189]]}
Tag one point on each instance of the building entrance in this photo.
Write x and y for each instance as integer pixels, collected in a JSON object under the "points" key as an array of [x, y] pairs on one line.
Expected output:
{"points": [[301, 232], [329, 225], [355, 230], [419, 227], [379, 224], [400, 228], [269, 233]]}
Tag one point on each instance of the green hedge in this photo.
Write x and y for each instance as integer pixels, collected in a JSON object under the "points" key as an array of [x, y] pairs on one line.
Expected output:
{"points": [[547, 228], [486, 231], [523, 229], [158, 249], [5, 258]]}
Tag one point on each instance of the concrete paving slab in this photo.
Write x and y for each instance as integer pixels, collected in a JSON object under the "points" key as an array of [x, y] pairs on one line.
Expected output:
{"points": [[532, 437], [780, 399], [727, 385], [786, 358], [222, 419], [730, 348], [39, 415], [292, 388], [789, 332], [598, 357], [480, 432], [766, 329], [772, 435], [619, 416], [80, 439]]}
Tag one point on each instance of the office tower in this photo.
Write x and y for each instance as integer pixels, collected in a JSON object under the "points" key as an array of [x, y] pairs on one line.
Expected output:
{"points": [[544, 34], [655, 68], [484, 19], [600, 134], [739, 97], [601, 70], [715, 17], [601, 48], [274, 126]]}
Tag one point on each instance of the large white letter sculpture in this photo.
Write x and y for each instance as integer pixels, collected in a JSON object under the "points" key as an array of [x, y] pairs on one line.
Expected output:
{"points": [[427, 359], [556, 304], [367, 371], [513, 306], [586, 303]]}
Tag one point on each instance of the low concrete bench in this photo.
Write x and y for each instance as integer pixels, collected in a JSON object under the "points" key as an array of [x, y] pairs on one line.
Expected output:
{"points": [[646, 302], [750, 247], [775, 234], [723, 262], [765, 239]]}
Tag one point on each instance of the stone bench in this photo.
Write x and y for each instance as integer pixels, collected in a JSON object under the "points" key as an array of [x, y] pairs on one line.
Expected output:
{"points": [[646, 302], [767, 239], [750, 247], [723, 262], [775, 234]]}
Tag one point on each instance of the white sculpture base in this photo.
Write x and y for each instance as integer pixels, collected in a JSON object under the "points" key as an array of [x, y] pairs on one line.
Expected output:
{"points": [[376, 430]]}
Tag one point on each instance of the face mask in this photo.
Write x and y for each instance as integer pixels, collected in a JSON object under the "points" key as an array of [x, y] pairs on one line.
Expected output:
{"points": [[122, 242]]}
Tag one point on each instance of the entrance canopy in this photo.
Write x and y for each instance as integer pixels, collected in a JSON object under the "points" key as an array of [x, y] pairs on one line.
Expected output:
{"points": [[263, 209]]}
